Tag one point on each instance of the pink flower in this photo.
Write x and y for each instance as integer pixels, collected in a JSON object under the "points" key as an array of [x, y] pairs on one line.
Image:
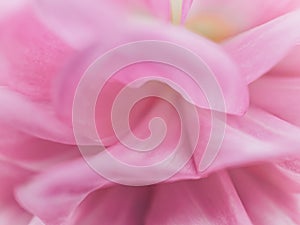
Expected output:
{"points": [[244, 166]]}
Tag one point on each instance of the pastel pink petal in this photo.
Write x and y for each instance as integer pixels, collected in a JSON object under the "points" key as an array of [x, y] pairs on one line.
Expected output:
{"points": [[284, 174], [14, 176], [289, 66], [161, 9], [233, 87], [281, 83], [10, 211], [90, 20], [117, 205], [33, 118], [141, 114], [290, 169], [258, 50], [32, 54], [258, 136], [72, 199], [68, 190], [212, 200], [248, 140], [285, 89], [178, 116], [164, 140], [31, 152], [61, 188], [8, 7], [266, 199], [3, 70], [57, 17]]}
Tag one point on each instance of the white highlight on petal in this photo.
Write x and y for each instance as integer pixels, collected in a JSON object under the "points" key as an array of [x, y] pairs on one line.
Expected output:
{"points": [[7, 7], [36, 221]]}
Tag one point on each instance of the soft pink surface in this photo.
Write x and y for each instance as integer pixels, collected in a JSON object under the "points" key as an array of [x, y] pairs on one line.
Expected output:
{"points": [[255, 178]]}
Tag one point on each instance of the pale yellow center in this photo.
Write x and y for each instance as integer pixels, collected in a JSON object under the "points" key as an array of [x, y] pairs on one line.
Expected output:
{"points": [[209, 25], [176, 11]]}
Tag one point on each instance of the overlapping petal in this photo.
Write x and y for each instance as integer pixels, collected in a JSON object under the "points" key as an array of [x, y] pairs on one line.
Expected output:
{"points": [[281, 83], [270, 199], [130, 203], [232, 87], [31, 152], [78, 195], [211, 200], [285, 90], [31, 55], [259, 49], [10, 177], [33, 118], [60, 188], [257, 137]]}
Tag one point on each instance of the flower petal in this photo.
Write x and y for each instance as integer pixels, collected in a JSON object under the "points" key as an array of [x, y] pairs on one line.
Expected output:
{"points": [[258, 50], [10, 211], [31, 152], [212, 200], [289, 66], [285, 90], [60, 188], [117, 205], [97, 38], [89, 20], [33, 55], [268, 202], [17, 111], [257, 137], [8, 7], [282, 84], [233, 87], [290, 170]]}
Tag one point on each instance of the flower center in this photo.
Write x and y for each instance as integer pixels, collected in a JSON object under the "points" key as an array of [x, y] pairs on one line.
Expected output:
{"points": [[211, 26], [176, 11]]}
